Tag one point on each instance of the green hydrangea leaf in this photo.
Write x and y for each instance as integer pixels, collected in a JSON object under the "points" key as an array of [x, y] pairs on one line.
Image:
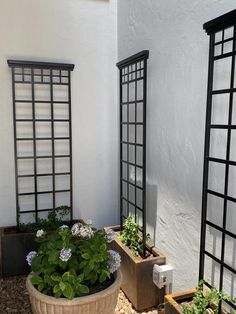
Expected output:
{"points": [[86, 256], [36, 280], [103, 276], [83, 289], [56, 278], [80, 278], [57, 291], [53, 257], [68, 291], [36, 264], [62, 285], [67, 276], [103, 247]]}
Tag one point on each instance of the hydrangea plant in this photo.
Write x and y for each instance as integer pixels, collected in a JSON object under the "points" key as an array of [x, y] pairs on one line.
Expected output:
{"points": [[71, 261]]}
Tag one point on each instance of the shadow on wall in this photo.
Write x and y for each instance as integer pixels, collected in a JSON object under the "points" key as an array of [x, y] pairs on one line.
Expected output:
{"points": [[151, 210]]}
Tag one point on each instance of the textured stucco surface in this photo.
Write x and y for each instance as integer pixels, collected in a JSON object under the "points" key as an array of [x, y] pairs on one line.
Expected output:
{"points": [[177, 83], [81, 32], [84, 32]]}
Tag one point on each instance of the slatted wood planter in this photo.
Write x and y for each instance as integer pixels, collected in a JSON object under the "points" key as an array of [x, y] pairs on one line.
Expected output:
{"points": [[14, 247]]}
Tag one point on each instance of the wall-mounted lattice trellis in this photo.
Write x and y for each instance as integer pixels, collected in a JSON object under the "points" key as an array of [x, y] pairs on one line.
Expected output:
{"points": [[218, 236], [133, 82], [42, 134]]}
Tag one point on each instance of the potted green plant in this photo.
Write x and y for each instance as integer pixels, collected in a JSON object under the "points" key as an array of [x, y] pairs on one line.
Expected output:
{"points": [[196, 301], [130, 235], [137, 271], [21, 240], [73, 272]]}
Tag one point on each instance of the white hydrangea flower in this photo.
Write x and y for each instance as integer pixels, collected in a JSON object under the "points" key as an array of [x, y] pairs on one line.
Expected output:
{"points": [[109, 235], [31, 255], [63, 227], [89, 222], [81, 230], [39, 233], [65, 255], [114, 261]]}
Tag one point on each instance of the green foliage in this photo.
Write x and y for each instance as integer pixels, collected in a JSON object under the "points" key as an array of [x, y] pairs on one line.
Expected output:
{"points": [[86, 266], [53, 221], [205, 301], [130, 236]]}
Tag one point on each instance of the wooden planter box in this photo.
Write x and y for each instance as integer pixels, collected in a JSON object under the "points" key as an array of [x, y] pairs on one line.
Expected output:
{"points": [[14, 247], [137, 281], [173, 301]]}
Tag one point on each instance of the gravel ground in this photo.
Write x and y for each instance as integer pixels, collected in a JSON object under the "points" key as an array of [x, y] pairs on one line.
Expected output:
{"points": [[13, 296], [14, 299]]}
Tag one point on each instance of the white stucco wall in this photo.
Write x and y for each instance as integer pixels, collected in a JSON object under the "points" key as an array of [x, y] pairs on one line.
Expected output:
{"points": [[177, 83], [83, 32]]}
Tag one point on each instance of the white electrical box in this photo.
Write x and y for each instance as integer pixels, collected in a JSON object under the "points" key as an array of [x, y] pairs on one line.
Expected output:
{"points": [[162, 275]]}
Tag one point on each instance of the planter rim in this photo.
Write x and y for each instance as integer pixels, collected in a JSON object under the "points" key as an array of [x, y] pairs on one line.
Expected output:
{"points": [[78, 300], [138, 259], [173, 298], [181, 294]]}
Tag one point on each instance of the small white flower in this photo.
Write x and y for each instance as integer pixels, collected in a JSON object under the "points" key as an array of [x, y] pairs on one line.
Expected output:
{"points": [[81, 230], [109, 235], [31, 255], [39, 233], [63, 227], [114, 261], [65, 255]]}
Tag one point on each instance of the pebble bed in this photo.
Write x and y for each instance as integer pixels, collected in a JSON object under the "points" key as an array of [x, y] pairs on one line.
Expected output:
{"points": [[14, 299]]}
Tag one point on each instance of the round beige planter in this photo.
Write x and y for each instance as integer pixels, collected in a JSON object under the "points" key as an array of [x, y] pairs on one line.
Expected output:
{"points": [[103, 302]]}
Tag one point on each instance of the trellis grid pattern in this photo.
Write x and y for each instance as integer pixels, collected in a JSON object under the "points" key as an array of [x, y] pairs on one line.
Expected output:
{"points": [[218, 237], [42, 135], [133, 82]]}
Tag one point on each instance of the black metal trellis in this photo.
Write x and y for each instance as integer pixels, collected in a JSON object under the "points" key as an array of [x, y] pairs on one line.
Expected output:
{"points": [[221, 94], [42, 122], [133, 99]]}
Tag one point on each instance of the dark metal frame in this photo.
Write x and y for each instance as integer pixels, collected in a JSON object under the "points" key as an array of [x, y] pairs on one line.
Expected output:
{"points": [[133, 70], [24, 72], [212, 27]]}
